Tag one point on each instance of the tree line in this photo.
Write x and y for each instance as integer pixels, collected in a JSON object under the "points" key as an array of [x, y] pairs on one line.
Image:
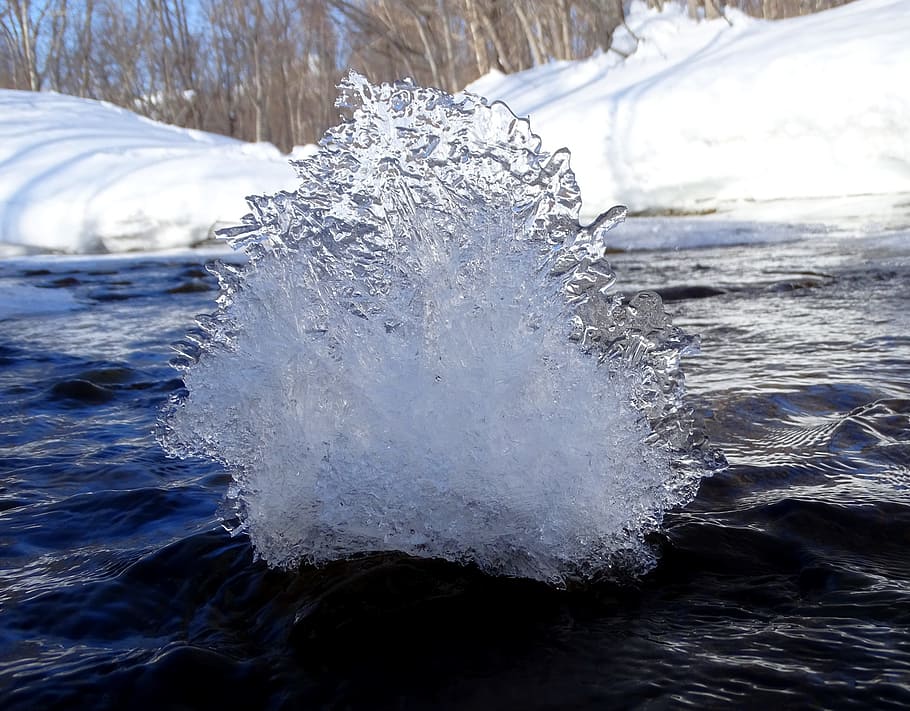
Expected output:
{"points": [[265, 70]]}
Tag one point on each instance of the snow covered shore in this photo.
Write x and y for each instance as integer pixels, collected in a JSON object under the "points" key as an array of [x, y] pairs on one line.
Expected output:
{"points": [[742, 116], [704, 116], [84, 176]]}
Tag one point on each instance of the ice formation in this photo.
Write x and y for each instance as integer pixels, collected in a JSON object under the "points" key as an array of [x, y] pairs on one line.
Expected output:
{"points": [[425, 354]]}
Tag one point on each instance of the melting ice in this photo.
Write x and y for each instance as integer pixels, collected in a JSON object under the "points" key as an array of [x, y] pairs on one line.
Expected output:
{"points": [[425, 354]]}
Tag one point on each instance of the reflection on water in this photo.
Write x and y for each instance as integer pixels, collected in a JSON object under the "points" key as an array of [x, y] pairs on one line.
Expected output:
{"points": [[786, 580]]}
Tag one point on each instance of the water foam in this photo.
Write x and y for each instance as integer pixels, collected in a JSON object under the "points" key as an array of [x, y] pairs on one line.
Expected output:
{"points": [[424, 354]]}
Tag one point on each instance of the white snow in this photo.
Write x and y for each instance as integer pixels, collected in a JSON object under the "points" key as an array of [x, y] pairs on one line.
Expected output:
{"points": [[84, 176], [712, 115], [796, 120]]}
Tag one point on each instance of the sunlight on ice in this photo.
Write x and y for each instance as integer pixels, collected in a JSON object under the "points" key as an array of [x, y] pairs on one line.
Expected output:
{"points": [[425, 354]]}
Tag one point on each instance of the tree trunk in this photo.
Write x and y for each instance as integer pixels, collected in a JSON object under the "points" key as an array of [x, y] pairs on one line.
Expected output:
{"points": [[428, 52], [479, 42], [502, 59], [27, 39], [563, 18], [530, 37], [450, 61]]}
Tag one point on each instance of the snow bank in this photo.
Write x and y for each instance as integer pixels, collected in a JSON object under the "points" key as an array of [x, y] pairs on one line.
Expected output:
{"points": [[700, 117], [703, 115], [84, 176]]}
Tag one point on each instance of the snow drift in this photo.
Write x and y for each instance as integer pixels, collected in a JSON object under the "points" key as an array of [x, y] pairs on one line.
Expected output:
{"points": [[702, 115], [699, 117], [86, 176]]}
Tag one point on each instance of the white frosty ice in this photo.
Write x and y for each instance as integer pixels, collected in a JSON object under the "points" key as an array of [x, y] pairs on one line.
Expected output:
{"points": [[424, 355]]}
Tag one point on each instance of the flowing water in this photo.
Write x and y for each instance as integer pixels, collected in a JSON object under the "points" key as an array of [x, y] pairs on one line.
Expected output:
{"points": [[787, 576], [448, 583]]}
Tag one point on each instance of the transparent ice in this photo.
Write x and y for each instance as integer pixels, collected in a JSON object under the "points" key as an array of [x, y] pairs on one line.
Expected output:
{"points": [[425, 354]]}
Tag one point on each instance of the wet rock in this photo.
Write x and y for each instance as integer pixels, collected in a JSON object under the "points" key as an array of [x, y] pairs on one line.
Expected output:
{"points": [[686, 292], [81, 390]]}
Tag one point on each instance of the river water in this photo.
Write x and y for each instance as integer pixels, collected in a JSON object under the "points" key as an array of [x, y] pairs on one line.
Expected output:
{"points": [[787, 579]]}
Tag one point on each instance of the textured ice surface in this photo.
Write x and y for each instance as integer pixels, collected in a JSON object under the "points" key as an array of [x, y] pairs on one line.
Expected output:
{"points": [[424, 354]]}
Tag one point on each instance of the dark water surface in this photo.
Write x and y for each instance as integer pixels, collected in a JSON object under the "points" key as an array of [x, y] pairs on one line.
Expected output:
{"points": [[786, 581]]}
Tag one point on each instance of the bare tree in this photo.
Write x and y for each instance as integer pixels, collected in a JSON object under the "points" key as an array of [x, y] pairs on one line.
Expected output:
{"points": [[33, 34]]}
